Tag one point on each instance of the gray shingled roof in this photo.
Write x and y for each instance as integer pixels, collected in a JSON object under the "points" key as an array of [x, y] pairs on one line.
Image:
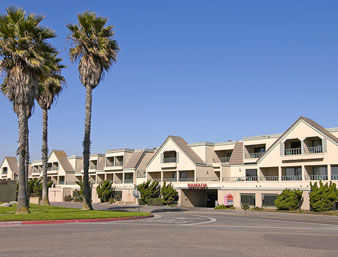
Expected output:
{"points": [[13, 164], [186, 149], [134, 160], [62, 157], [237, 154]]}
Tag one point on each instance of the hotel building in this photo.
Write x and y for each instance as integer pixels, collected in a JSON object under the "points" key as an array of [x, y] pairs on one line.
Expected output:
{"points": [[250, 171]]}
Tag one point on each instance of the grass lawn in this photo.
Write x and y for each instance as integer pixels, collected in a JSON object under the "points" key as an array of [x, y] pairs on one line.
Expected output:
{"points": [[39, 212]]}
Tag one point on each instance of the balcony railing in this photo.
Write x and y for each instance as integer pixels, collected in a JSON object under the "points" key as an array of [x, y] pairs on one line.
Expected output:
{"points": [[169, 160], [316, 177], [186, 179], [255, 155], [291, 178], [334, 177], [111, 164], [128, 180], [269, 178], [315, 149], [293, 151], [169, 179], [224, 159], [208, 179], [118, 181], [233, 179], [156, 179]]}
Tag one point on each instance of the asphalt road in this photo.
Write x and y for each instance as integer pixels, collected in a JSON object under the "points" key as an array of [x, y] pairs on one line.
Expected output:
{"points": [[197, 232]]}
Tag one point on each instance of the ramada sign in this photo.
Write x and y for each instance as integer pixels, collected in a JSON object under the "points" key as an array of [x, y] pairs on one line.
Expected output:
{"points": [[197, 185]]}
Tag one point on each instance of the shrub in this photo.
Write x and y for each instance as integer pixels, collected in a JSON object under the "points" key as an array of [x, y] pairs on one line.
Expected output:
{"points": [[155, 202], [224, 207], [245, 207], [256, 209], [149, 190], [169, 194], [141, 202], [34, 187], [323, 198], [78, 199], [289, 199], [105, 191], [68, 198]]}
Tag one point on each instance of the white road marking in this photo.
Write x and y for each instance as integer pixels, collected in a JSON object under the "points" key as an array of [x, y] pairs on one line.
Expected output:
{"points": [[203, 222]]}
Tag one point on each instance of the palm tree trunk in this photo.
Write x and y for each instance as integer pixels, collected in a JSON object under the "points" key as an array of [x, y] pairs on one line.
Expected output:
{"points": [[87, 205], [44, 156], [26, 159], [22, 196]]}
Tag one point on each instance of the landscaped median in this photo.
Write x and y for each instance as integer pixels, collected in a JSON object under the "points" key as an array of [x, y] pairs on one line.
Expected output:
{"points": [[41, 214]]}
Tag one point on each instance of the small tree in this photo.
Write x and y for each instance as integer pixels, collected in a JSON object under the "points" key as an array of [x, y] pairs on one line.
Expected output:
{"points": [[105, 191], [289, 199], [80, 191], [322, 198], [245, 207], [149, 190], [168, 193]]}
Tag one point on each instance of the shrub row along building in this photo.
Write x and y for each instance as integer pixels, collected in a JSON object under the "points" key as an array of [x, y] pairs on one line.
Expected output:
{"points": [[249, 171]]}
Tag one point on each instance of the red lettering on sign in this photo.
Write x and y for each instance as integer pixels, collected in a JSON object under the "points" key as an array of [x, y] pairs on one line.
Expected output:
{"points": [[197, 185]]}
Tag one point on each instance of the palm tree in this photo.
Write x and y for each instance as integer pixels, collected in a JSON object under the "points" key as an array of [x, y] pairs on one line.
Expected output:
{"points": [[23, 48], [94, 47], [49, 88]]}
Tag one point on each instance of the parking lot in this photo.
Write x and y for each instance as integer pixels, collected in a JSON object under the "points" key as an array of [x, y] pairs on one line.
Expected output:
{"points": [[195, 232]]}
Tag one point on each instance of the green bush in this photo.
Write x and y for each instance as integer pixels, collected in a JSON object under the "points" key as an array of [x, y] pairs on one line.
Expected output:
{"points": [[245, 207], [78, 199], [155, 202], [256, 209], [289, 199], [34, 187], [105, 191], [323, 198], [224, 207], [149, 190], [141, 202], [169, 194], [68, 198]]}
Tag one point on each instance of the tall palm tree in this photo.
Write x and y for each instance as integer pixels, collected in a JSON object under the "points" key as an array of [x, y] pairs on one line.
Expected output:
{"points": [[94, 47], [23, 48], [49, 88]]}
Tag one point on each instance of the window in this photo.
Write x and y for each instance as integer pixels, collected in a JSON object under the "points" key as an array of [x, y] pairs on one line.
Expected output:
{"points": [[249, 199], [269, 199], [334, 172], [183, 174], [320, 170], [4, 170], [141, 173], [296, 144], [259, 149], [294, 171]]}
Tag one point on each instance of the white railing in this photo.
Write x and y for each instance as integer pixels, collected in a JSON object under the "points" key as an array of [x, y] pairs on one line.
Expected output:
{"points": [[315, 149], [255, 155], [334, 177], [293, 151], [208, 179], [169, 179], [186, 179], [269, 178], [316, 177], [292, 178], [169, 159], [128, 180]]}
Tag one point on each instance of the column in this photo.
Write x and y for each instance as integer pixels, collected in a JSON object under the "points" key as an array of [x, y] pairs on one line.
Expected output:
{"points": [[279, 173], [329, 172], [161, 175], [177, 176], [123, 178], [303, 172], [195, 175], [57, 180], [95, 178], [105, 176]]}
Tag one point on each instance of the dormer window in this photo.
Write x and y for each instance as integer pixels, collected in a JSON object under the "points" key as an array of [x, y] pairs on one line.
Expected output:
{"points": [[169, 156]]}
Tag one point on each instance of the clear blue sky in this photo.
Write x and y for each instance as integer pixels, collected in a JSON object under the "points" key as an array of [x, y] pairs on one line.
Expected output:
{"points": [[203, 70]]}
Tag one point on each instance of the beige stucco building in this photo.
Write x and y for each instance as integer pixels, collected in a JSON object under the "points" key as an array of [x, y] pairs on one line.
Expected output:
{"points": [[252, 170], [9, 169]]}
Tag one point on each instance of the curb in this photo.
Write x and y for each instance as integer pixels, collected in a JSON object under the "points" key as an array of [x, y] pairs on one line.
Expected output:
{"points": [[35, 222]]}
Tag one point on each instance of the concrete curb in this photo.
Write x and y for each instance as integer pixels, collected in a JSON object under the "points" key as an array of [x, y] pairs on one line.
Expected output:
{"points": [[35, 222]]}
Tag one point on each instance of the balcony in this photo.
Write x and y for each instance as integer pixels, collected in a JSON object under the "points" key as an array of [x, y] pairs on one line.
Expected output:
{"points": [[255, 155], [316, 177], [315, 149], [169, 159], [128, 181], [186, 179], [269, 178], [293, 151], [334, 177], [212, 179], [291, 178], [169, 179]]}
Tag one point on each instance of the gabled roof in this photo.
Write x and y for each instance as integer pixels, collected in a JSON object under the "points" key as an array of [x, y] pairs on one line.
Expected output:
{"points": [[12, 163], [180, 142], [237, 154], [63, 160], [144, 161], [309, 122], [134, 159]]}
